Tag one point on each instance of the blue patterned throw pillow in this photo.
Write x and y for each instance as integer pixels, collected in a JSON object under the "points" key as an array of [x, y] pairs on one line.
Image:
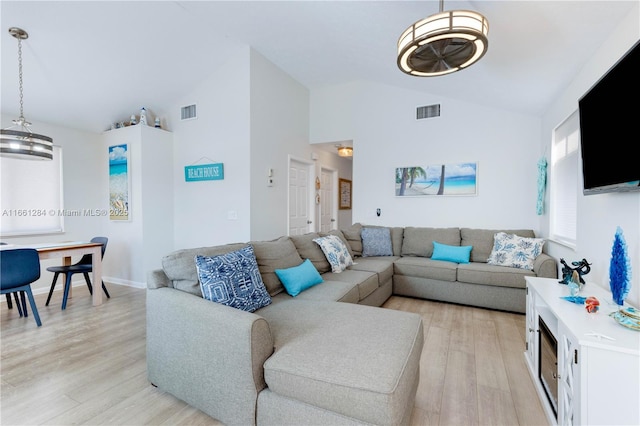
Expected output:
{"points": [[515, 251], [233, 279], [335, 251], [376, 242]]}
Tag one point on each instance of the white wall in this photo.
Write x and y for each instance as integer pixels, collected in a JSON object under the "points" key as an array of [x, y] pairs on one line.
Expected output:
{"points": [[220, 134], [136, 246], [599, 215], [81, 157], [279, 129], [381, 121]]}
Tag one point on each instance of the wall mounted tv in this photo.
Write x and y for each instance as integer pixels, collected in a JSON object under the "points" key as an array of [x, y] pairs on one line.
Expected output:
{"points": [[609, 128]]}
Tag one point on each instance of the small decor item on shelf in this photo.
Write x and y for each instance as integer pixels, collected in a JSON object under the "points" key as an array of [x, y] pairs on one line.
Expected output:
{"points": [[157, 123], [619, 269], [132, 120], [593, 304], [574, 284], [578, 300], [628, 317], [582, 267], [143, 116]]}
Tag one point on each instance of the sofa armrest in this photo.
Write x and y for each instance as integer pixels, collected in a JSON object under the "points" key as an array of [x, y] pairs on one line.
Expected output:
{"points": [[207, 354], [157, 279], [545, 266]]}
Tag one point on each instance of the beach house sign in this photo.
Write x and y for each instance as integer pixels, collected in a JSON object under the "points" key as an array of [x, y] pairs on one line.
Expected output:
{"points": [[204, 172]]}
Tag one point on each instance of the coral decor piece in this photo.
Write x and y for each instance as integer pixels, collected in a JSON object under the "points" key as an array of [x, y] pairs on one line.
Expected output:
{"points": [[619, 269], [593, 304]]}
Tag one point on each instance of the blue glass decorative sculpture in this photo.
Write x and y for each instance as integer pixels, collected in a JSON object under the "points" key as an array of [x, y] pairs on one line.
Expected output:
{"points": [[619, 269]]}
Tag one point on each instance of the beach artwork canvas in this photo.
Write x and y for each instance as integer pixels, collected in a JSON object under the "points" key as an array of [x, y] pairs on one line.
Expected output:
{"points": [[437, 179], [119, 183]]}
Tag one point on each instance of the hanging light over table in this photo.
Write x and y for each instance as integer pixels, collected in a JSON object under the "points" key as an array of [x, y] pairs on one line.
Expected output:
{"points": [[443, 43], [21, 142]]}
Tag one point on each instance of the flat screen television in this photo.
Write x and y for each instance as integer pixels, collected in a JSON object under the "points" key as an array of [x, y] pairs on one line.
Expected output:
{"points": [[609, 128]]}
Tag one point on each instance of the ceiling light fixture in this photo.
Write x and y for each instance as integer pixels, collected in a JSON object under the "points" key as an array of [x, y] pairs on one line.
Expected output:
{"points": [[23, 144], [443, 43], [345, 151]]}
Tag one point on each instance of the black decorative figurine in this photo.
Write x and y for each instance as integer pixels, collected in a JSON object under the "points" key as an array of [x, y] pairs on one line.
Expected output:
{"points": [[582, 267]]}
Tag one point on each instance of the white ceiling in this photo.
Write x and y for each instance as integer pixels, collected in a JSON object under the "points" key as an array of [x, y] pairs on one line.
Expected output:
{"points": [[89, 63]]}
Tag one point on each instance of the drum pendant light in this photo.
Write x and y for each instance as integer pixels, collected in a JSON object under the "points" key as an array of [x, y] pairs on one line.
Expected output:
{"points": [[22, 143]]}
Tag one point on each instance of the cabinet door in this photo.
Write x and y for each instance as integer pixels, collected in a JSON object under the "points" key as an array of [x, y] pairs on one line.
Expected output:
{"points": [[532, 329], [568, 378]]}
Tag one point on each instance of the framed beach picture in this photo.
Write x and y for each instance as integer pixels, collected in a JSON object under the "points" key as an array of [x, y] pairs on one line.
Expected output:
{"points": [[437, 179], [344, 194], [119, 183]]}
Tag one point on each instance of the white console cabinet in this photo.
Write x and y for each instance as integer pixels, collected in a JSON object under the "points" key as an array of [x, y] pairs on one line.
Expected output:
{"points": [[598, 360]]}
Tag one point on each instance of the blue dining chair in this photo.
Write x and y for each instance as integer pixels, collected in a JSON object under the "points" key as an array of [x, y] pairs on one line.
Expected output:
{"points": [[18, 269], [84, 266]]}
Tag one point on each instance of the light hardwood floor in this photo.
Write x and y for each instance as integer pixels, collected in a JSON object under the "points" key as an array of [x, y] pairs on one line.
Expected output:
{"points": [[86, 365]]}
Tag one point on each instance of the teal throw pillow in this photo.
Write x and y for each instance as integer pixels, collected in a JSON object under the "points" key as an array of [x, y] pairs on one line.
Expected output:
{"points": [[233, 279], [299, 278], [457, 254]]}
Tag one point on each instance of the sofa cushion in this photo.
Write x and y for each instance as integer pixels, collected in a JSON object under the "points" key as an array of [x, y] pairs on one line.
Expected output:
{"points": [[358, 361], [482, 240], [181, 269], [233, 279], [336, 252], [331, 291], [299, 278], [457, 254], [419, 241], [423, 267], [515, 251], [275, 254], [376, 242], [352, 234], [383, 266], [308, 249], [366, 282], [499, 276]]}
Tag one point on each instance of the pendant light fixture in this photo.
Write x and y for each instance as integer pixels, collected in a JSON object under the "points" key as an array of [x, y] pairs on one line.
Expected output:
{"points": [[443, 43], [345, 151], [22, 143]]}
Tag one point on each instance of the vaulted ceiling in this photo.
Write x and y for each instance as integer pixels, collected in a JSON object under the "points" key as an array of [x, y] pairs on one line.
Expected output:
{"points": [[89, 63]]}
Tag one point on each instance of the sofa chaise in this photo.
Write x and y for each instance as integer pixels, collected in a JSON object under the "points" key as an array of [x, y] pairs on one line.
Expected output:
{"points": [[306, 359]]}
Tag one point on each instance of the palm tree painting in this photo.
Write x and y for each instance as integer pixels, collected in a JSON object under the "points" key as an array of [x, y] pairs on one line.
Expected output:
{"points": [[437, 179]]}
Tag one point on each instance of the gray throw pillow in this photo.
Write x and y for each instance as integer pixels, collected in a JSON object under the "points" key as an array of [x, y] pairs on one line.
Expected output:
{"points": [[376, 242]]}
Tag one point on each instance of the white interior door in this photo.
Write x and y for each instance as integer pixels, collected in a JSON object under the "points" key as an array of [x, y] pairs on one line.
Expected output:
{"points": [[300, 216], [328, 182]]}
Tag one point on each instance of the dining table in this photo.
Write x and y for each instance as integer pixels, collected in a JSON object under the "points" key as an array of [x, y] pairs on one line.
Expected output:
{"points": [[65, 250]]}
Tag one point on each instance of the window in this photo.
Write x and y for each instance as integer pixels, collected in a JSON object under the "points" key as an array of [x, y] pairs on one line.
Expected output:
{"points": [[31, 196], [564, 180]]}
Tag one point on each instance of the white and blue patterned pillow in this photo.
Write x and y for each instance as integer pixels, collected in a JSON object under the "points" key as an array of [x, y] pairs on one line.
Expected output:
{"points": [[376, 242], [515, 251], [233, 279], [335, 251]]}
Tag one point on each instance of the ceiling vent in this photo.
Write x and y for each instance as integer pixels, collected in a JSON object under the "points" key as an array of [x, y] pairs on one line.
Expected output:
{"points": [[188, 112], [428, 111]]}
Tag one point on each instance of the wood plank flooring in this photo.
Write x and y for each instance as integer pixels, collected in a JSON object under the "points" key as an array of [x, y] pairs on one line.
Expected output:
{"points": [[87, 366]]}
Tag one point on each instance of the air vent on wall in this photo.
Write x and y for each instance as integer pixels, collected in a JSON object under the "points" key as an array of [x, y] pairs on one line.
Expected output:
{"points": [[188, 112], [428, 111]]}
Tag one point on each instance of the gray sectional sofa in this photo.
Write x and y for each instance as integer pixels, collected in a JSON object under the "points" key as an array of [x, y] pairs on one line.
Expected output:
{"points": [[307, 359]]}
